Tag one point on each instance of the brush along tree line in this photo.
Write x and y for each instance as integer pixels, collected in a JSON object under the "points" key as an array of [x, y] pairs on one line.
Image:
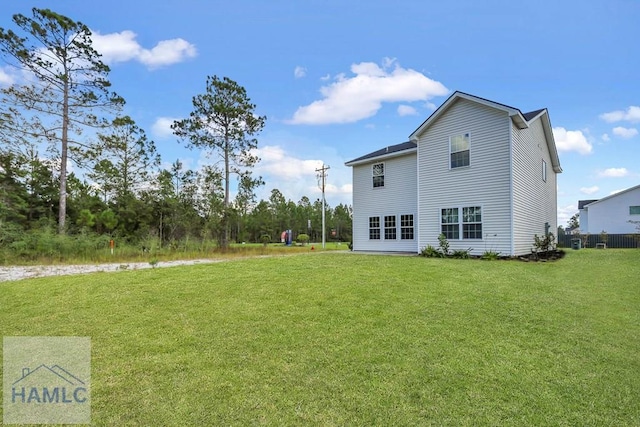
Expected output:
{"points": [[66, 112]]}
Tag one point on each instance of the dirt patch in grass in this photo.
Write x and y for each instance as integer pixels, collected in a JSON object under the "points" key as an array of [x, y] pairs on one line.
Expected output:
{"points": [[26, 272]]}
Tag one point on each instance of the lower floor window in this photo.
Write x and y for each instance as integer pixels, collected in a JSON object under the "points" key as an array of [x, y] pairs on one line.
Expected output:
{"points": [[390, 227], [451, 222], [472, 223], [406, 227], [374, 228]]}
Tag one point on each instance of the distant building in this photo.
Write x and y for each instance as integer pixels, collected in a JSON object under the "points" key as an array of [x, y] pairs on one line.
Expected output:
{"points": [[612, 214]]}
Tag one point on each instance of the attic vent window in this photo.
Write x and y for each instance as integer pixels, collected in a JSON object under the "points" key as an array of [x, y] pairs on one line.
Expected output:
{"points": [[378, 175], [459, 147]]}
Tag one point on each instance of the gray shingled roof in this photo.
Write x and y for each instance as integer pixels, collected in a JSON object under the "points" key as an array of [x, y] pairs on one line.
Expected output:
{"points": [[530, 115], [387, 150], [583, 203]]}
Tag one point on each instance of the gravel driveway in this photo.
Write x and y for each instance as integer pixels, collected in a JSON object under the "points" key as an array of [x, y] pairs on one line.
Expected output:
{"points": [[25, 272]]}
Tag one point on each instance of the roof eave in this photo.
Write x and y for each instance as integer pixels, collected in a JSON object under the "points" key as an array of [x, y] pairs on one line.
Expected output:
{"points": [[381, 157], [551, 142]]}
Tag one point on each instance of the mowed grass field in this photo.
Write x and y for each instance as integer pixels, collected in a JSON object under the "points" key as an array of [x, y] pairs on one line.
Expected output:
{"points": [[347, 339]]}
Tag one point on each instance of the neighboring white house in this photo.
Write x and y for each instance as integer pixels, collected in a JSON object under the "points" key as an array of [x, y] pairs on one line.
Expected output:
{"points": [[611, 214], [480, 172]]}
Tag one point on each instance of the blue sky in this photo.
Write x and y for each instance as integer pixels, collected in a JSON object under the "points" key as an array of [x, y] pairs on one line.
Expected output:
{"points": [[339, 79]]}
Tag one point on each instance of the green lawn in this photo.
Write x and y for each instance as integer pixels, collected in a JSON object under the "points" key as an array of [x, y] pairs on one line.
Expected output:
{"points": [[345, 339]]}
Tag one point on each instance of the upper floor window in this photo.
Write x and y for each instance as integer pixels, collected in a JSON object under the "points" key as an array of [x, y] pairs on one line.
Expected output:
{"points": [[378, 175], [459, 150], [634, 210], [544, 171]]}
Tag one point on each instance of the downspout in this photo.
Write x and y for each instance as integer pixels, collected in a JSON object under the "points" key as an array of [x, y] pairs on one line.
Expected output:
{"points": [[511, 205], [417, 213]]}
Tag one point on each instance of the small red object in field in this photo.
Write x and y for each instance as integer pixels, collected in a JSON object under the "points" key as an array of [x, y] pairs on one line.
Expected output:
{"points": [[312, 248]]}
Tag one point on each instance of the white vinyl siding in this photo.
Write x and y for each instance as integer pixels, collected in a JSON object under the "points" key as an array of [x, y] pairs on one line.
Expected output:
{"points": [[534, 200], [485, 182], [396, 198]]}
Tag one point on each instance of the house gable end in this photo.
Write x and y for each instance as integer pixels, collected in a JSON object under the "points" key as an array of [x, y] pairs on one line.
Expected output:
{"points": [[515, 114]]}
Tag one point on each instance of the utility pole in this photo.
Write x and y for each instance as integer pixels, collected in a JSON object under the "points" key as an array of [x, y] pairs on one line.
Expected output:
{"points": [[322, 180]]}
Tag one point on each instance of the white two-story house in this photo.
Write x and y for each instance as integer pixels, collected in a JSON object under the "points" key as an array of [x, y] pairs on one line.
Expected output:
{"points": [[480, 172]]}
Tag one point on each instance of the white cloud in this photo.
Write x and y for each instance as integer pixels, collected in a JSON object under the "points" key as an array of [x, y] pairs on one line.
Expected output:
{"points": [[168, 52], [123, 46], [406, 110], [589, 190], [334, 189], [275, 162], [325, 78], [625, 133], [299, 72], [296, 177], [6, 79], [565, 213], [161, 128], [571, 140], [349, 99], [614, 173], [605, 138], [632, 114]]}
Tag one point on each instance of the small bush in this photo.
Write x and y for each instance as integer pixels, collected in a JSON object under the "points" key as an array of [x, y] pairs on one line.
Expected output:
{"points": [[490, 255], [430, 252], [265, 239], [444, 244], [303, 239], [461, 253], [544, 243]]}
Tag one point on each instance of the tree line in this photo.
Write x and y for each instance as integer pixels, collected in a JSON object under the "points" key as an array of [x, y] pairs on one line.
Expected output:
{"points": [[67, 108]]}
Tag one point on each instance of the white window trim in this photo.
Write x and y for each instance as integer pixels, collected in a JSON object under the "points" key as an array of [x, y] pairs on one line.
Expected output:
{"points": [[461, 221], [468, 134]]}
